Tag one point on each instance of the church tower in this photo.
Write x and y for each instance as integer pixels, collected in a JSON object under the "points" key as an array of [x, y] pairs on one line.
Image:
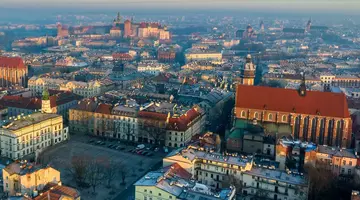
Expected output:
{"points": [[45, 102], [249, 71], [308, 26]]}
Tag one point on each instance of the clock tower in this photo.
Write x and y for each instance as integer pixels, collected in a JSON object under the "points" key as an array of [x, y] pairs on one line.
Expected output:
{"points": [[249, 71]]}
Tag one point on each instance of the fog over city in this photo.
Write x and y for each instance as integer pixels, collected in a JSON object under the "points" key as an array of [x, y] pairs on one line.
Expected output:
{"points": [[180, 99]]}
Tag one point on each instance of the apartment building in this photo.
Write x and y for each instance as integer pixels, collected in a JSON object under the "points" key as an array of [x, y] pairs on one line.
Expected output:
{"points": [[174, 183], [219, 170], [152, 123], [340, 161], [84, 89], [27, 178], [31, 133], [278, 185]]}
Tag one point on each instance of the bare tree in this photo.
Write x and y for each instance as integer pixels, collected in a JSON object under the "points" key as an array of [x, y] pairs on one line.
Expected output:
{"points": [[110, 172], [235, 181], [96, 173], [79, 169], [154, 130], [320, 180], [123, 172], [261, 194]]}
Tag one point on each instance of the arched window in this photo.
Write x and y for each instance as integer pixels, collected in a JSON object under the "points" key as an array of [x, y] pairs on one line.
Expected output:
{"points": [[243, 114], [270, 117], [256, 115], [284, 118]]}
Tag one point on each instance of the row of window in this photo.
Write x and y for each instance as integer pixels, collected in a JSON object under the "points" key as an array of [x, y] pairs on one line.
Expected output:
{"points": [[270, 116]]}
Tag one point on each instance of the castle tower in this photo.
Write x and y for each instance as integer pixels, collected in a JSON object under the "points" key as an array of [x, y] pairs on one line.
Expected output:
{"points": [[249, 71], [45, 102], [127, 28]]}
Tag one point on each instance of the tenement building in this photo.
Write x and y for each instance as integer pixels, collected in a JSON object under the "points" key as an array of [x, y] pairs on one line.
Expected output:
{"points": [[153, 123], [217, 170], [31, 133], [319, 117], [84, 89], [12, 71], [27, 178]]}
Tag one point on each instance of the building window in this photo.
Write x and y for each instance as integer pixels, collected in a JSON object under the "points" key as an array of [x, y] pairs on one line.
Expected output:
{"points": [[284, 118], [256, 115], [270, 117], [243, 114], [350, 163]]}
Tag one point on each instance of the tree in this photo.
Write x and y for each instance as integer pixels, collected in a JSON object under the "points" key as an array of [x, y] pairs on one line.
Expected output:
{"points": [[123, 172], [95, 173], [110, 172], [79, 169], [235, 181], [261, 194], [155, 130], [320, 181]]}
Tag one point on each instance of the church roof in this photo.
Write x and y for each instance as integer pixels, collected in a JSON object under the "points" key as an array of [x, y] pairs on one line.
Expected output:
{"points": [[289, 100], [12, 62]]}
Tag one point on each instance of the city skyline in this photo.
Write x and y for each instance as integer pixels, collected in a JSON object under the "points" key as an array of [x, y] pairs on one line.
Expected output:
{"points": [[346, 6]]}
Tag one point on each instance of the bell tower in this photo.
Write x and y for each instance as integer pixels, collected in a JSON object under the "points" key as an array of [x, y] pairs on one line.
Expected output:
{"points": [[45, 102], [249, 71]]}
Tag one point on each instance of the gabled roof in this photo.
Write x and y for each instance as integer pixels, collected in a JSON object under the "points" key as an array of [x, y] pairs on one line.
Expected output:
{"points": [[104, 109], [21, 102], [289, 100], [152, 115], [12, 62], [53, 191], [181, 123]]}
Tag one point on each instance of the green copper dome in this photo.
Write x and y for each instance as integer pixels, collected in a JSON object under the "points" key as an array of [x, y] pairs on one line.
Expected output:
{"points": [[45, 94]]}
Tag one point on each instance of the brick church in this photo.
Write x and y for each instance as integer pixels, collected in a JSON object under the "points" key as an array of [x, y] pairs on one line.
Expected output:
{"points": [[319, 117]]}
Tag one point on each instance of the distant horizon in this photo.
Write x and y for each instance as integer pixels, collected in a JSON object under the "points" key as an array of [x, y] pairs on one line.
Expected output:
{"points": [[318, 6]]}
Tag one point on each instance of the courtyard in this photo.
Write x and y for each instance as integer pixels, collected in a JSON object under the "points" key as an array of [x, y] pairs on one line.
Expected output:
{"points": [[60, 157]]}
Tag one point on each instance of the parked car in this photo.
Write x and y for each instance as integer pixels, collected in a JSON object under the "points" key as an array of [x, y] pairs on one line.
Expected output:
{"points": [[140, 146], [144, 152], [91, 141], [150, 154]]}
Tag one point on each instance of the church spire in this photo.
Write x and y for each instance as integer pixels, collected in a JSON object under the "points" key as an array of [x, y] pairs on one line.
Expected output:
{"points": [[302, 88]]}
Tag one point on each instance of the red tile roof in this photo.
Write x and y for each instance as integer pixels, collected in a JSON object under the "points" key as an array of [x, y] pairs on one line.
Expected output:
{"points": [[121, 55], [12, 62], [176, 170], [143, 25], [289, 100], [21, 102], [181, 123], [152, 115], [57, 192], [104, 109]]}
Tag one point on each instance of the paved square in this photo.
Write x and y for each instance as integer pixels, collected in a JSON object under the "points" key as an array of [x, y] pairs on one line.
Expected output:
{"points": [[60, 158]]}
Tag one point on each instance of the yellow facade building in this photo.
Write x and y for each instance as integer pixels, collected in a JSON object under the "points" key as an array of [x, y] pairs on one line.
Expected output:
{"points": [[26, 178], [32, 133]]}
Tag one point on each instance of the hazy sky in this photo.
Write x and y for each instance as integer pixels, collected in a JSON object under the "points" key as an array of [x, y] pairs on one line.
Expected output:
{"points": [[342, 6]]}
